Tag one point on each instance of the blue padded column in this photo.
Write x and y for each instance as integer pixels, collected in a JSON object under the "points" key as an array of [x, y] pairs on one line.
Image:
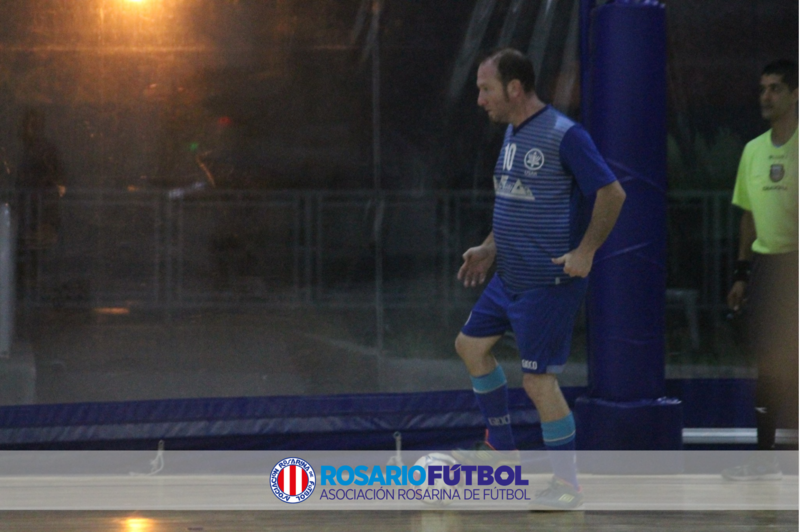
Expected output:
{"points": [[624, 109]]}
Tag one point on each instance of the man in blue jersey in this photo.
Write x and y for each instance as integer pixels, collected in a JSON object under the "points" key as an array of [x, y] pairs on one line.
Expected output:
{"points": [[546, 230]]}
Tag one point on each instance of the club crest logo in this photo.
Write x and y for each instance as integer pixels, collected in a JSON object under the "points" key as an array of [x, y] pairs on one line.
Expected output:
{"points": [[776, 172], [292, 480], [534, 159]]}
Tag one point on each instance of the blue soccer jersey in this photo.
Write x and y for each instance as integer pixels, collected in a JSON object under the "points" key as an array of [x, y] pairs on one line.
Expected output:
{"points": [[544, 180]]}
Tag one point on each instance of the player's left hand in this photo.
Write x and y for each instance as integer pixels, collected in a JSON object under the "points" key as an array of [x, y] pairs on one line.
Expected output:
{"points": [[576, 263]]}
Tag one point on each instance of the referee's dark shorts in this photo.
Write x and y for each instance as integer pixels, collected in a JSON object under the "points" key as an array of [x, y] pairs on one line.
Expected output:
{"points": [[772, 319]]}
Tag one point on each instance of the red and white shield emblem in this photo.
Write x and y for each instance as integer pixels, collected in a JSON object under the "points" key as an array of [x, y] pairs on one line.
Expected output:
{"points": [[292, 480]]}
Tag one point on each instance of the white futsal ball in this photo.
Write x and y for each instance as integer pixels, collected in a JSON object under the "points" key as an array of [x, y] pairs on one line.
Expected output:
{"points": [[445, 491]]}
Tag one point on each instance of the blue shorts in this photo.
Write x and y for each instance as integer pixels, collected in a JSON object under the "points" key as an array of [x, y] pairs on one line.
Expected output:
{"points": [[541, 319]]}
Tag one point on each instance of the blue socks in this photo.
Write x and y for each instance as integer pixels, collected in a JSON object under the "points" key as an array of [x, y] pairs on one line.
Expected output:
{"points": [[559, 439], [491, 391]]}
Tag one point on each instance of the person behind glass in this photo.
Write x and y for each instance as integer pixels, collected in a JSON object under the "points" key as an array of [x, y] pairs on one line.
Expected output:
{"points": [[39, 183], [765, 274], [546, 230]]}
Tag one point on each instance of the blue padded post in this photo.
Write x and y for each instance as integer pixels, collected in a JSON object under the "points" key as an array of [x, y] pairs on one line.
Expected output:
{"points": [[624, 109]]}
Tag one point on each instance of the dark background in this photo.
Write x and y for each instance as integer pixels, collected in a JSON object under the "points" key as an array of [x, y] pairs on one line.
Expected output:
{"points": [[278, 94]]}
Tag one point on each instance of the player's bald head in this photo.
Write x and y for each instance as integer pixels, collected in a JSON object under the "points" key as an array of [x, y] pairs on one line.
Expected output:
{"points": [[512, 64]]}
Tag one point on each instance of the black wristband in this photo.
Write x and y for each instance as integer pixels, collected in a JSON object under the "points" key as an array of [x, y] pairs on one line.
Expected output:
{"points": [[741, 271]]}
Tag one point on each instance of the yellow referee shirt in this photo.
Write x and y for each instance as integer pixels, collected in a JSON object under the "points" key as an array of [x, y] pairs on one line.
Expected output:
{"points": [[766, 185]]}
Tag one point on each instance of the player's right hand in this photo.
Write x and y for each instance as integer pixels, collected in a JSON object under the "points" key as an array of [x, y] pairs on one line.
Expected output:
{"points": [[477, 262], [736, 297]]}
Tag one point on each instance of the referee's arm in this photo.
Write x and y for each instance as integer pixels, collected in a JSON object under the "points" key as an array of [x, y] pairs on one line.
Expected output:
{"points": [[747, 235]]}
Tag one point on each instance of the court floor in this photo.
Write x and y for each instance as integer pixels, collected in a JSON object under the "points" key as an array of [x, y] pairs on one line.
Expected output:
{"points": [[689, 494], [395, 521]]}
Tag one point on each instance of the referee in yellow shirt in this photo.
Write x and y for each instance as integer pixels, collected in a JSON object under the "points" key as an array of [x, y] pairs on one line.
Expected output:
{"points": [[766, 275]]}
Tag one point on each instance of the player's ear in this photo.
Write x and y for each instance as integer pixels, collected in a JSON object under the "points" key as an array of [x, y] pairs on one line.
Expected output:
{"points": [[514, 88]]}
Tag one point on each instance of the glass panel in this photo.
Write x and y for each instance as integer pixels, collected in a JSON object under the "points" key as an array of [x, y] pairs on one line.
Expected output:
{"points": [[273, 197]]}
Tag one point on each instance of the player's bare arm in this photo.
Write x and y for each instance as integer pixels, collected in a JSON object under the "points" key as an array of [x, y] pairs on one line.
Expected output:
{"points": [[607, 206], [747, 235], [477, 261]]}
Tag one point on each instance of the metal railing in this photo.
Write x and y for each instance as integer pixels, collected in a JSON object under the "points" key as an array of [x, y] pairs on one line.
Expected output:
{"points": [[7, 279], [153, 249]]}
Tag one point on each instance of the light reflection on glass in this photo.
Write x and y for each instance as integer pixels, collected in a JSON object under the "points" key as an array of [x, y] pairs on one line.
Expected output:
{"points": [[138, 524]]}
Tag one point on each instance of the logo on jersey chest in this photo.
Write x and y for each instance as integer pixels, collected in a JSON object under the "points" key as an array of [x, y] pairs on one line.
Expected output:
{"points": [[776, 172], [534, 159], [503, 186]]}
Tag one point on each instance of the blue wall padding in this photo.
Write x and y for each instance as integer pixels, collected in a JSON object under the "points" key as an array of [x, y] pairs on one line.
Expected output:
{"points": [[625, 112], [715, 403], [434, 420], [647, 424]]}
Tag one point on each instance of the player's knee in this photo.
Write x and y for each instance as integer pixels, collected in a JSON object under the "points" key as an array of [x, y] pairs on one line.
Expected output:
{"points": [[539, 386], [469, 348], [462, 345]]}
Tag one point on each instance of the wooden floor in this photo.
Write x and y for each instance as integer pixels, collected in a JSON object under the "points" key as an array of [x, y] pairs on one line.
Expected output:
{"points": [[657, 503], [396, 521], [691, 494]]}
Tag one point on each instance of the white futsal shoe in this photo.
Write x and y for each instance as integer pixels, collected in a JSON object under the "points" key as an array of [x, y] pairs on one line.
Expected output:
{"points": [[758, 468]]}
